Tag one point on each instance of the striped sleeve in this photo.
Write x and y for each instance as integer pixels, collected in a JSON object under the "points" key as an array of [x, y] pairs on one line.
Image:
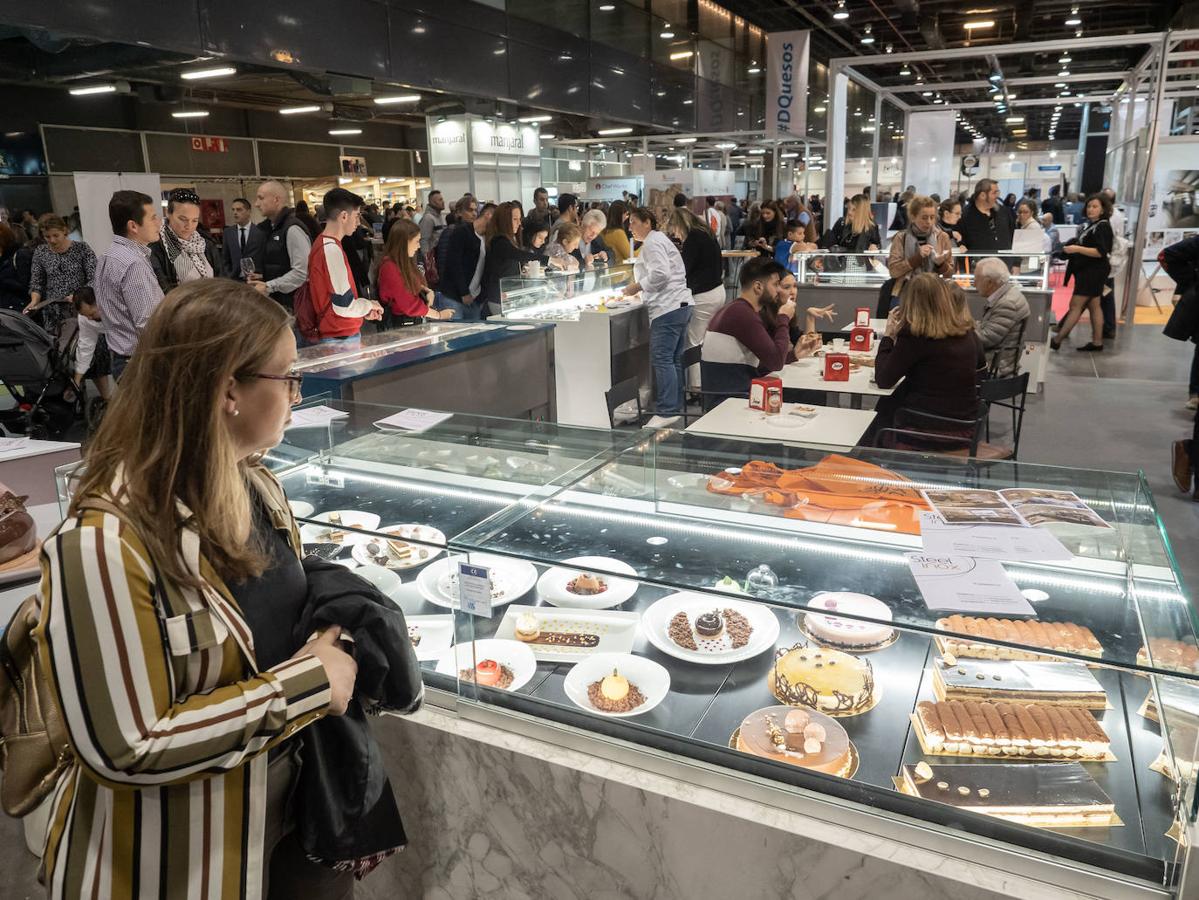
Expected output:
{"points": [[342, 297], [111, 668]]}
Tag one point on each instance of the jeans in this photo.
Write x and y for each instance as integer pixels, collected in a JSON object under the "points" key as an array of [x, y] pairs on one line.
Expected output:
{"points": [[351, 339], [667, 340], [463, 312]]}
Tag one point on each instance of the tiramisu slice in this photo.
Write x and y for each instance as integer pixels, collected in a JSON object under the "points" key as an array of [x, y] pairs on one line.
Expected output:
{"points": [[968, 635], [1013, 730]]}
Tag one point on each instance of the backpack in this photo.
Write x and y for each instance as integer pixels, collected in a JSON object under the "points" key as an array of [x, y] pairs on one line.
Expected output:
{"points": [[308, 323], [432, 278], [1118, 258]]}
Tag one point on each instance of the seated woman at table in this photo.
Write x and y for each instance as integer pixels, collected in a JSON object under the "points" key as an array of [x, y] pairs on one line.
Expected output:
{"points": [[805, 339], [930, 344]]}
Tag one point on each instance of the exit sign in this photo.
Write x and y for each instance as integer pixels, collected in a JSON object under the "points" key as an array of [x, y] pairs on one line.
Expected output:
{"points": [[210, 145]]}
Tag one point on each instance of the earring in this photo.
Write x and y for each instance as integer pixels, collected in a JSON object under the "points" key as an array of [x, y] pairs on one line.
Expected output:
{"points": [[237, 412]]}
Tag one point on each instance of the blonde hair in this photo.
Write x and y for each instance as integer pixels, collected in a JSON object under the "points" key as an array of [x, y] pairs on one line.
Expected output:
{"points": [[567, 231], [918, 203], [861, 216], [165, 438], [682, 221], [929, 310]]}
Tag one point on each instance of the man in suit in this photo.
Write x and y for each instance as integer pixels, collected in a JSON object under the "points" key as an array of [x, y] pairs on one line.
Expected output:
{"points": [[242, 240]]}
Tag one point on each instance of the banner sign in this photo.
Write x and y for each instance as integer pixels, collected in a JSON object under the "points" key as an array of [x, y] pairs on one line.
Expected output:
{"points": [[210, 145], [787, 83]]}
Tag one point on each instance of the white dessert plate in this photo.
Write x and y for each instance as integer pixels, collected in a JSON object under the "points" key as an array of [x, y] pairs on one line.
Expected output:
{"points": [[650, 678], [426, 534], [511, 579], [301, 509], [350, 519], [436, 635], [617, 631], [785, 421], [552, 586], [513, 654], [387, 581], [345, 561], [717, 652]]}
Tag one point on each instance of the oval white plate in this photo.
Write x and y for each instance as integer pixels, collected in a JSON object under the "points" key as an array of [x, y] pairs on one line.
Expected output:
{"points": [[650, 678], [513, 654], [301, 509], [552, 584], [385, 580], [350, 518], [412, 532], [781, 420], [656, 623], [516, 576]]}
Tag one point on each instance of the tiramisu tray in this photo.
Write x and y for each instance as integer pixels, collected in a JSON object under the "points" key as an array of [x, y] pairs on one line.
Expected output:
{"points": [[969, 635], [1048, 795], [1052, 683], [1033, 731]]}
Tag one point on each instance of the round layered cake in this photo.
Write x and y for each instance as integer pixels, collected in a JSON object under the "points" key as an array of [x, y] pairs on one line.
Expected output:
{"points": [[800, 737], [827, 680], [850, 634]]}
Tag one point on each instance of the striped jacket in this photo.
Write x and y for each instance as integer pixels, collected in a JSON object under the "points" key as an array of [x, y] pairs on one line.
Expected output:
{"points": [[168, 717]]}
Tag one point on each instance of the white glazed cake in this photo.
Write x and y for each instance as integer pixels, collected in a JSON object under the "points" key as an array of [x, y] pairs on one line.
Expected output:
{"points": [[848, 633]]}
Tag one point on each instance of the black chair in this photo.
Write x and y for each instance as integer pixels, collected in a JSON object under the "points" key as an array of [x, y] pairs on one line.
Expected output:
{"points": [[1010, 393], [924, 432], [629, 389], [883, 307], [1017, 354], [707, 399]]}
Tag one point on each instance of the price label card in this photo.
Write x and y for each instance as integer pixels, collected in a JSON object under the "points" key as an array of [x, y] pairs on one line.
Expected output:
{"points": [[474, 589], [414, 420]]}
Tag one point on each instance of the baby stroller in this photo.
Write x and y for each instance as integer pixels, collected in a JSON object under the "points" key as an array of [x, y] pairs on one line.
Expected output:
{"points": [[37, 374]]}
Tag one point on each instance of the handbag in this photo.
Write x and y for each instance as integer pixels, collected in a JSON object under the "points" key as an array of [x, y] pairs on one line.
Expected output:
{"points": [[34, 750]]}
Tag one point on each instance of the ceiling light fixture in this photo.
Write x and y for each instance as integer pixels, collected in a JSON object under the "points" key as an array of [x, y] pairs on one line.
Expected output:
{"points": [[890, 48], [296, 110], [688, 102], [604, 132], [906, 70], [535, 118], [208, 73], [337, 132], [682, 54], [754, 69], [687, 140], [979, 24], [1064, 58], [1014, 120], [607, 7], [1074, 19], [842, 13], [547, 137], [819, 109], [666, 34], [397, 98], [868, 35], [94, 89], [190, 114]]}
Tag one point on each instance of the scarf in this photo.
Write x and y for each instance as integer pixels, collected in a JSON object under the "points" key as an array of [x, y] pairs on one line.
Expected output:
{"points": [[912, 239], [196, 264]]}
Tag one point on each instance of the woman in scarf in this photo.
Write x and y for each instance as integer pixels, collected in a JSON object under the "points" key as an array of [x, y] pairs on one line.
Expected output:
{"points": [[184, 253], [921, 247]]}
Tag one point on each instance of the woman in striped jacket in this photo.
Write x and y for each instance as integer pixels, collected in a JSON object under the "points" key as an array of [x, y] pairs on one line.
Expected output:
{"points": [[168, 593]]}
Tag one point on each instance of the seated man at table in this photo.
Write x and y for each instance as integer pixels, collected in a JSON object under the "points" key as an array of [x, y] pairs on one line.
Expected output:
{"points": [[750, 336], [1005, 312]]}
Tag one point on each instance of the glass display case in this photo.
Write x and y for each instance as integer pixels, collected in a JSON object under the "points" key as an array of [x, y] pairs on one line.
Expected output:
{"points": [[1031, 272], [556, 296], [601, 337], [753, 610]]}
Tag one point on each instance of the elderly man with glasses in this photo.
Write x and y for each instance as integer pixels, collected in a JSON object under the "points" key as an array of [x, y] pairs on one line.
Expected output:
{"points": [[1004, 313]]}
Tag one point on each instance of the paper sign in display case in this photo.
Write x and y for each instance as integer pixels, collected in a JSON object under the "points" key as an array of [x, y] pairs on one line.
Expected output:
{"points": [[601, 337], [993, 663]]}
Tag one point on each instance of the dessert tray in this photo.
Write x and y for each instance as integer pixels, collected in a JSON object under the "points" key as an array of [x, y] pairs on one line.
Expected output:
{"points": [[643, 677], [301, 509], [398, 553], [336, 527], [569, 635], [514, 658], [511, 579], [557, 586], [754, 628], [431, 636]]}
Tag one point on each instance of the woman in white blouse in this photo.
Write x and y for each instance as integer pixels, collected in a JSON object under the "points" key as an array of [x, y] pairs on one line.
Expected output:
{"points": [[661, 279]]}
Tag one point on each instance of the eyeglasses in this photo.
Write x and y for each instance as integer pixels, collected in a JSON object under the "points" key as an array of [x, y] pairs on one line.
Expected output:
{"points": [[296, 382]]}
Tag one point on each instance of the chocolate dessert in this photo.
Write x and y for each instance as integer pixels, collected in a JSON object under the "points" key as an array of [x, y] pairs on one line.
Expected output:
{"points": [[586, 585], [709, 624]]}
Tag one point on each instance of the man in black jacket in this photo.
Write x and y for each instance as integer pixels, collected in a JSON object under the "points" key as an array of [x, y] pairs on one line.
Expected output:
{"points": [[1181, 263], [986, 225], [462, 271], [285, 248]]}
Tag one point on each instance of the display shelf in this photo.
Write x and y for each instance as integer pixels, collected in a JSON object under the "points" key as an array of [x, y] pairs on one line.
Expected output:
{"points": [[870, 268], [618, 495], [555, 296]]}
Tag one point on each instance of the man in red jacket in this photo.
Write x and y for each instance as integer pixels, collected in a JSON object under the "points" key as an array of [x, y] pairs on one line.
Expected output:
{"points": [[339, 311]]}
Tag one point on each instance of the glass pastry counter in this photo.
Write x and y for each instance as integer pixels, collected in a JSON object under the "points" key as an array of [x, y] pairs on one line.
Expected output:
{"points": [[429, 363], [870, 268], [748, 617], [601, 337]]}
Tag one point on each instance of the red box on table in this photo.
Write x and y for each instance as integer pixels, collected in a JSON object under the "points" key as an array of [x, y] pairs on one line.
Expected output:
{"points": [[861, 317], [861, 338], [836, 367], [758, 391]]}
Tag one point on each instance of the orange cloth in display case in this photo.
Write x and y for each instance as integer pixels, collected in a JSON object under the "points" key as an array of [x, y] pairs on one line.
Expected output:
{"points": [[837, 490]]}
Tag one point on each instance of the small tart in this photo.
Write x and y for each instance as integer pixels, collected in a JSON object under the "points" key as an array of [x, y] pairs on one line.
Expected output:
{"points": [[527, 628], [487, 673], [614, 687], [586, 585]]}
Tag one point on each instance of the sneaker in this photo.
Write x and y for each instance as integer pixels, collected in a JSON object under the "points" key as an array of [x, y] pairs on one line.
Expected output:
{"points": [[662, 422], [1193, 403]]}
